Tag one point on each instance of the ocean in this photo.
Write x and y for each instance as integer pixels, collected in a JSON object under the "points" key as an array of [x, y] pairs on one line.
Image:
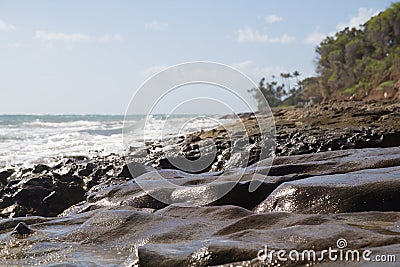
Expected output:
{"points": [[26, 140]]}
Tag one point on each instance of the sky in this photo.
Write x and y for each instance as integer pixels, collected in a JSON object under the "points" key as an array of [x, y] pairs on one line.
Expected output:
{"points": [[90, 57]]}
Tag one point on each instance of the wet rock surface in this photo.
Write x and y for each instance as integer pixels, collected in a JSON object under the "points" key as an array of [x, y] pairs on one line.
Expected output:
{"points": [[372, 189], [333, 126], [202, 236], [336, 175]]}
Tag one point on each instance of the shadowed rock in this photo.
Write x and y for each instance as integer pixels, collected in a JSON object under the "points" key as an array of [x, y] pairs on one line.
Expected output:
{"points": [[366, 190], [21, 229]]}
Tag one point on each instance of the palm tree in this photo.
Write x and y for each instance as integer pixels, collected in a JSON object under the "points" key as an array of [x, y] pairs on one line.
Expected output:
{"points": [[296, 75], [286, 79]]}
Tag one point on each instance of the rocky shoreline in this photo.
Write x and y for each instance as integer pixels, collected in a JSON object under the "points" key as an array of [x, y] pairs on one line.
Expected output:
{"points": [[335, 175]]}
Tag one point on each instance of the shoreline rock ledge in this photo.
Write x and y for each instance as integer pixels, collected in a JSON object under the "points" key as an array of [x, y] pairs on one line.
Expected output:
{"points": [[336, 176]]}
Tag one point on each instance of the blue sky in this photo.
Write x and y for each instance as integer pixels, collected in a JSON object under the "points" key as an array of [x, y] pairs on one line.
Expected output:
{"points": [[90, 56]]}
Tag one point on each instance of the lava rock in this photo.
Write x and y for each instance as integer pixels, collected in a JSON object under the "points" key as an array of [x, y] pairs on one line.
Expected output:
{"points": [[366, 190], [22, 229], [4, 175], [40, 168]]}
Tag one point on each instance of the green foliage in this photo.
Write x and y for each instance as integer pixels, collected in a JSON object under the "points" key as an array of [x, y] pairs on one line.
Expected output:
{"points": [[356, 61], [279, 94], [386, 85], [351, 64], [311, 89], [348, 91]]}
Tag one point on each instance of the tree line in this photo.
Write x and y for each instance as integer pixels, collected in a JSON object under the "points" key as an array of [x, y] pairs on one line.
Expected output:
{"points": [[355, 62], [283, 91], [350, 65]]}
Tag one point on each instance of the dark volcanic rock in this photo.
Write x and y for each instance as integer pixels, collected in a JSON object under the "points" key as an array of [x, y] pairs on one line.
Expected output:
{"points": [[201, 236], [366, 190], [86, 169], [305, 200], [51, 193], [40, 168], [334, 126], [4, 175], [43, 195], [236, 182], [133, 169], [21, 229]]}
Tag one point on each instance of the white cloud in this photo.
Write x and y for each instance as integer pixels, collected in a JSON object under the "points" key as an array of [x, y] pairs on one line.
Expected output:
{"points": [[253, 36], [364, 14], [50, 38], [6, 26], [60, 36], [315, 38], [111, 37], [284, 39], [156, 25], [249, 35], [255, 71], [147, 73], [271, 19]]}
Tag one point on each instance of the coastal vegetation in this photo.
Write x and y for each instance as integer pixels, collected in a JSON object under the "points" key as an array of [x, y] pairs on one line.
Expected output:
{"points": [[354, 64], [286, 92]]}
